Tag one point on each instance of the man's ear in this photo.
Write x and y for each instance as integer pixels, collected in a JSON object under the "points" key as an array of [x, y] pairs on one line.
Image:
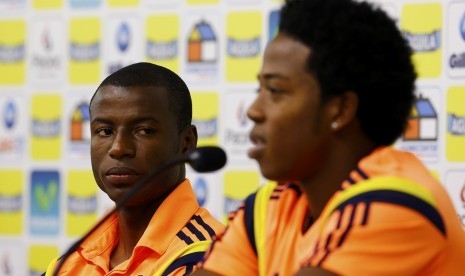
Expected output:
{"points": [[343, 110], [189, 138]]}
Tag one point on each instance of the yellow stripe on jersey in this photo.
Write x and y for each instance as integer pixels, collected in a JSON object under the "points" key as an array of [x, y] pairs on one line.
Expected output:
{"points": [[51, 267], [389, 183], [260, 211], [197, 247]]}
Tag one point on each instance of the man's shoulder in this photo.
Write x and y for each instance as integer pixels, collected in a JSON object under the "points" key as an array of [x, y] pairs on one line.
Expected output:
{"points": [[387, 200], [274, 199]]}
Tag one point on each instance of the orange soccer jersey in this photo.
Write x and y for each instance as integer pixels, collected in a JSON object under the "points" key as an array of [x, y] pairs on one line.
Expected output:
{"points": [[391, 217], [174, 241]]}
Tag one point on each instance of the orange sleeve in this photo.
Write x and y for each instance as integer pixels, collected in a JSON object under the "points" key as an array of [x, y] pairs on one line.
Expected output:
{"points": [[232, 253], [394, 240]]}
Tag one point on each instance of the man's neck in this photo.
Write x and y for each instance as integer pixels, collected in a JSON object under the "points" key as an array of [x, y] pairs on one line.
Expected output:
{"points": [[133, 222], [342, 158]]}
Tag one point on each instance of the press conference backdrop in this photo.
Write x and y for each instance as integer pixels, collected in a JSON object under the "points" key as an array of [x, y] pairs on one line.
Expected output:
{"points": [[54, 53]]}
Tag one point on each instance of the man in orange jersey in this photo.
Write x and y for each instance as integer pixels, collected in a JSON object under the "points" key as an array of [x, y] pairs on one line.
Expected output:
{"points": [[336, 89], [140, 120]]}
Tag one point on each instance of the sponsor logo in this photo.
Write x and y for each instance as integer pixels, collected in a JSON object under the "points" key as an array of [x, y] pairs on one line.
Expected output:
{"points": [[162, 50], [462, 27], [456, 125], [46, 40], [122, 47], [236, 137], [455, 133], [201, 191], [10, 115], [237, 186], [12, 54], [241, 114], [44, 207], [45, 195], [206, 128], [457, 60], [80, 123], [162, 40], [422, 132], [422, 123], [11, 204], [123, 37], [273, 24], [84, 52], [206, 117], [202, 52], [115, 67], [424, 42], [421, 26], [243, 45], [243, 48], [6, 264], [12, 51], [81, 202], [202, 44], [82, 205], [46, 61], [240, 137], [46, 128]]}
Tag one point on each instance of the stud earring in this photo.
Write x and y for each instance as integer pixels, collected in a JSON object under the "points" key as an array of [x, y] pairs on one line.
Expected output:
{"points": [[334, 125]]}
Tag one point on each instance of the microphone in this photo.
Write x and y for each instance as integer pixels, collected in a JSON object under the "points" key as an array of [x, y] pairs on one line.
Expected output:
{"points": [[201, 159], [207, 159]]}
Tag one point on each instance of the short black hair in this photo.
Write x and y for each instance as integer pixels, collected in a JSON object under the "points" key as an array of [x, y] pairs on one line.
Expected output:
{"points": [[357, 47], [149, 74]]}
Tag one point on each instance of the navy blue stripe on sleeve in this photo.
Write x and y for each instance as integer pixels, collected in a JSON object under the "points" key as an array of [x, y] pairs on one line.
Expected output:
{"points": [[249, 220], [184, 237], [402, 199], [188, 260], [205, 226], [361, 173], [195, 231]]}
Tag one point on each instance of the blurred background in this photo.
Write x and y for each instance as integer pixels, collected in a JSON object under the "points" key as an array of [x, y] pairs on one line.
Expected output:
{"points": [[54, 54]]}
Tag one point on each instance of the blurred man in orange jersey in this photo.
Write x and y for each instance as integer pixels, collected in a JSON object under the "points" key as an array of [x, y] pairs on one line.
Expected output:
{"points": [[336, 89]]}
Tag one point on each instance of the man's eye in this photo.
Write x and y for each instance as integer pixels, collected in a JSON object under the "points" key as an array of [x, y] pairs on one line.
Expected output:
{"points": [[274, 90], [104, 132], [146, 131]]}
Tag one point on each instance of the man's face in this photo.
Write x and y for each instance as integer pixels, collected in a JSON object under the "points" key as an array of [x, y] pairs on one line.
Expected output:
{"points": [[288, 139], [133, 132]]}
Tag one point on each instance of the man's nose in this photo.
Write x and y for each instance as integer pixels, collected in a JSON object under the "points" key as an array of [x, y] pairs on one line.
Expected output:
{"points": [[255, 111], [122, 146]]}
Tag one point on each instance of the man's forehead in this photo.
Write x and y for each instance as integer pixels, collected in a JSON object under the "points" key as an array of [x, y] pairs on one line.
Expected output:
{"points": [[110, 92]]}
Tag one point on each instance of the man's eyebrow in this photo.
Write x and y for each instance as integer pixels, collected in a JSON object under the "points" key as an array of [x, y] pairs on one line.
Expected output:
{"points": [[268, 76], [101, 120]]}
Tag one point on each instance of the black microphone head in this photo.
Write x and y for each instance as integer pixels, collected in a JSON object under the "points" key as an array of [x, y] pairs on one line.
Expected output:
{"points": [[207, 159]]}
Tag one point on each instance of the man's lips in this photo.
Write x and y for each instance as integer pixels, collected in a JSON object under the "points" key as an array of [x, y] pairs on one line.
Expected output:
{"points": [[259, 146], [121, 175]]}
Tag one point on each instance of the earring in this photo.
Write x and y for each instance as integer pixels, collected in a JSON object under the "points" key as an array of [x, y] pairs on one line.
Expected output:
{"points": [[334, 125]]}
